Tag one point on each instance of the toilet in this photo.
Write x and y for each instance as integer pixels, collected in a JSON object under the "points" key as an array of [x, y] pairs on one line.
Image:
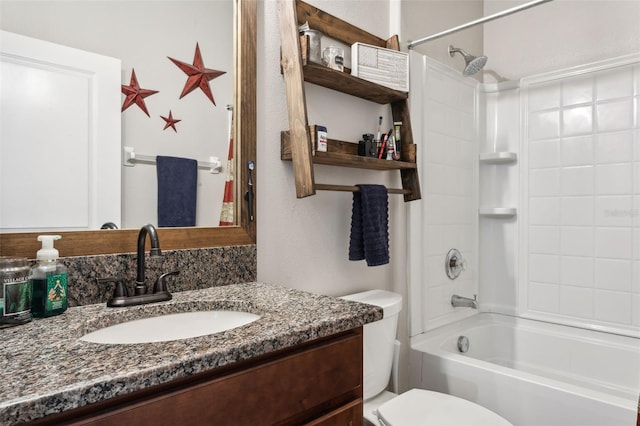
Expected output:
{"points": [[416, 407]]}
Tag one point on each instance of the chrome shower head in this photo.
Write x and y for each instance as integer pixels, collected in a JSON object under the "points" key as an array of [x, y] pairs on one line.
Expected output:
{"points": [[472, 64]]}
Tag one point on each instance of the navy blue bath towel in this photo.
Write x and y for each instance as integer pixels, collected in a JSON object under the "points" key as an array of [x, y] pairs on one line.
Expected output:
{"points": [[177, 186], [370, 225]]}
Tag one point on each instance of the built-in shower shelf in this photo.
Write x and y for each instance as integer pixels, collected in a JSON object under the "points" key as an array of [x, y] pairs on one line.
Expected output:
{"points": [[498, 212], [504, 157]]}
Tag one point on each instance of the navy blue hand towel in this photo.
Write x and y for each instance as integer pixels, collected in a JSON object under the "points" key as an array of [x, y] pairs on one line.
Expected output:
{"points": [[370, 225], [177, 186]]}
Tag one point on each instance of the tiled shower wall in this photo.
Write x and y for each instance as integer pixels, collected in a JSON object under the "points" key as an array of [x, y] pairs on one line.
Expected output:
{"points": [[580, 196], [444, 118]]}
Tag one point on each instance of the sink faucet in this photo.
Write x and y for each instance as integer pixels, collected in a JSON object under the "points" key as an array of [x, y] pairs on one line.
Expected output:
{"points": [[155, 251], [160, 293], [464, 302]]}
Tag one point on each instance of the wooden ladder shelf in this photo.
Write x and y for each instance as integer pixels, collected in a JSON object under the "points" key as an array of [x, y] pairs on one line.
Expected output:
{"points": [[296, 143]]}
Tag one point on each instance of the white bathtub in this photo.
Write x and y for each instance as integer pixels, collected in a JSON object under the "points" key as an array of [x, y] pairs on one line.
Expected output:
{"points": [[532, 372]]}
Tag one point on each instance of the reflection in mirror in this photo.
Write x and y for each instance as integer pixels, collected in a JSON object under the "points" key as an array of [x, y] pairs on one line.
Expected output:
{"points": [[142, 36], [118, 241]]}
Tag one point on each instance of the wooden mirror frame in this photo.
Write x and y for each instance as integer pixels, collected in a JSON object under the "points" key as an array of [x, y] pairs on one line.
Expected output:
{"points": [[85, 243]]}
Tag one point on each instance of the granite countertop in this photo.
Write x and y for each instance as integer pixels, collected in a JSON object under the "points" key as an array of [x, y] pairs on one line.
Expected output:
{"points": [[46, 368]]}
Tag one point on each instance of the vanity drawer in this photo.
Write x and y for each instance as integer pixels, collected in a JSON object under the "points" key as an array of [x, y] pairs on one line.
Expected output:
{"points": [[317, 384]]}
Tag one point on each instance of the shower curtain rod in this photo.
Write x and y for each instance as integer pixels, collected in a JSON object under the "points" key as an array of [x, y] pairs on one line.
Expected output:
{"points": [[479, 21]]}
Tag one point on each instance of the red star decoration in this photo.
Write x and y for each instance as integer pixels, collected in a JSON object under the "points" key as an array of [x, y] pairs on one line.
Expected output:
{"points": [[198, 75], [135, 95], [170, 122]]}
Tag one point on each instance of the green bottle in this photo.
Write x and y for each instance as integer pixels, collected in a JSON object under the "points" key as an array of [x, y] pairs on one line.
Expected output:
{"points": [[49, 280]]}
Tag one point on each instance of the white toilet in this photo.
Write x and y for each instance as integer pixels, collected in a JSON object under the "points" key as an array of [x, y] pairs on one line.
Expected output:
{"points": [[416, 407]]}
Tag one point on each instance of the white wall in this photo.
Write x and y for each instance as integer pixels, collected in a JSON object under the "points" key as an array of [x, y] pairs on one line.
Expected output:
{"points": [[559, 34]]}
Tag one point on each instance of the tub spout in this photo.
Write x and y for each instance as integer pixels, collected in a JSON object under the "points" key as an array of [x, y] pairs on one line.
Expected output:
{"points": [[464, 302]]}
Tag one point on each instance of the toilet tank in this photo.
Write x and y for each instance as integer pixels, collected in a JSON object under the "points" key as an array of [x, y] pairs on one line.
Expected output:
{"points": [[379, 338]]}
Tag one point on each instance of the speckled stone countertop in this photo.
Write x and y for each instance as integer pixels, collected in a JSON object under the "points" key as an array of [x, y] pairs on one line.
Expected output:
{"points": [[46, 368]]}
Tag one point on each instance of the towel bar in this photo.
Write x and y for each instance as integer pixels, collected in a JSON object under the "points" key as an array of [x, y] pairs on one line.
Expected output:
{"points": [[130, 159], [346, 188]]}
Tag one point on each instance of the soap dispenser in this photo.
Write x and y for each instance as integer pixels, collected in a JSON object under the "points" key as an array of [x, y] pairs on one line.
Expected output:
{"points": [[49, 280]]}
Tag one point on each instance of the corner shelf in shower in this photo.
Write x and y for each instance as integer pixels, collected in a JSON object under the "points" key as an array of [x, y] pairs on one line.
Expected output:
{"points": [[503, 157], [498, 212]]}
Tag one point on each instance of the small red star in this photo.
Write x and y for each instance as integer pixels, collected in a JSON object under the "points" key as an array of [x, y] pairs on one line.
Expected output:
{"points": [[198, 75], [135, 95], [170, 122]]}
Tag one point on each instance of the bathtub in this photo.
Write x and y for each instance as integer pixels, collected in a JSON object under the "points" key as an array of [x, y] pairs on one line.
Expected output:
{"points": [[532, 372]]}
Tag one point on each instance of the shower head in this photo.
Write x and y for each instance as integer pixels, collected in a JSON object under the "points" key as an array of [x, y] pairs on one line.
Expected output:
{"points": [[472, 64]]}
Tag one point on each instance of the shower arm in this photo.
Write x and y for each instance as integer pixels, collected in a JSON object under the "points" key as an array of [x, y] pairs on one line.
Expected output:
{"points": [[479, 21]]}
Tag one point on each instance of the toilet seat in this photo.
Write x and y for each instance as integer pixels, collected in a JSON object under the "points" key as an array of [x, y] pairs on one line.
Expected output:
{"points": [[419, 407]]}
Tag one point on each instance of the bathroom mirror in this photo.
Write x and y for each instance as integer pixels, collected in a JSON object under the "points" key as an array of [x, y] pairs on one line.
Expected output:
{"points": [[118, 241]]}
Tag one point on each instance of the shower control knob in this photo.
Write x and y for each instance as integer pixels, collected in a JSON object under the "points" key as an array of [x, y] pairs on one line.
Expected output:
{"points": [[454, 264]]}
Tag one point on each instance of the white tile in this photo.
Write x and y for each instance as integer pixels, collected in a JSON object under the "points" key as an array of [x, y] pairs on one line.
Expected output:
{"points": [[635, 237], [543, 154], [544, 96], [544, 211], [615, 83], [614, 147], [543, 297], [577, 211], [613, 274], [576, 301], [544, 125], [613, 307], [613, 243], [577, 180], [614, 179], [544, 268], [616, 115], [435, 273], [635, 309], [635, 276], [576, 151], [439, 301], [467, 98], [577, 121], [614, 211], [436, 116], [544, 240], [576, 241], [577, 271], [544, 182], [577, 90]]}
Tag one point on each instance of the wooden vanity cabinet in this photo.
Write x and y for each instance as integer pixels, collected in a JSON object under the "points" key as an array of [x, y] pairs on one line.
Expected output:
{"points": [[317, 383]]}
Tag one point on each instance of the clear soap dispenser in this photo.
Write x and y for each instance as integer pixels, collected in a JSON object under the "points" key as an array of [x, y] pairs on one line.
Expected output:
{"points": [[49, 280]]}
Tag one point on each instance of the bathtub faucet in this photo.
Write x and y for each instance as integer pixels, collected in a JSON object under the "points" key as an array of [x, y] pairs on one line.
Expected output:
{"points": [[464, 302]]}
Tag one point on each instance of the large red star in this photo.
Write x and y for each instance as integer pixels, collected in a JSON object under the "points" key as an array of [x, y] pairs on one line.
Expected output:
{"points": [[198, 75], [135, 95], [170, 122]]}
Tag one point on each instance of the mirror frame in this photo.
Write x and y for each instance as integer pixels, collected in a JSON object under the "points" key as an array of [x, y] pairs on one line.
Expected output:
{"points": [[86, 243]]}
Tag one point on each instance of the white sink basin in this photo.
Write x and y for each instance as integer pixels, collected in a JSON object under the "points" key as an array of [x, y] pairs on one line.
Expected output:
{"points": [[169, 327]]}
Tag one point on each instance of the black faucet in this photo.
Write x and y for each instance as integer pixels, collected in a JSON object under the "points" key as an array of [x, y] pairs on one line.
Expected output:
{"points": [[141, 288], [160, 293]]}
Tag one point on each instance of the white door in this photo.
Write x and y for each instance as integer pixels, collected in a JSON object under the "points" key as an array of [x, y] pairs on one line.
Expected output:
{"points": [[59, 136]]}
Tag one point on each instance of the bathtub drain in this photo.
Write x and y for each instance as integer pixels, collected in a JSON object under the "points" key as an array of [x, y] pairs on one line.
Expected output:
{"points": [[463, 344]]}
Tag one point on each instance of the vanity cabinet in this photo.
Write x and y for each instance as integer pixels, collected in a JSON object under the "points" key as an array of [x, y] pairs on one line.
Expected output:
{"points": [[296, 142], [316, 383]]}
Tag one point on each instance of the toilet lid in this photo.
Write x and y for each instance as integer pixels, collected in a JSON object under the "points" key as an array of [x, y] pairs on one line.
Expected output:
{"points": [[419, 407]]}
